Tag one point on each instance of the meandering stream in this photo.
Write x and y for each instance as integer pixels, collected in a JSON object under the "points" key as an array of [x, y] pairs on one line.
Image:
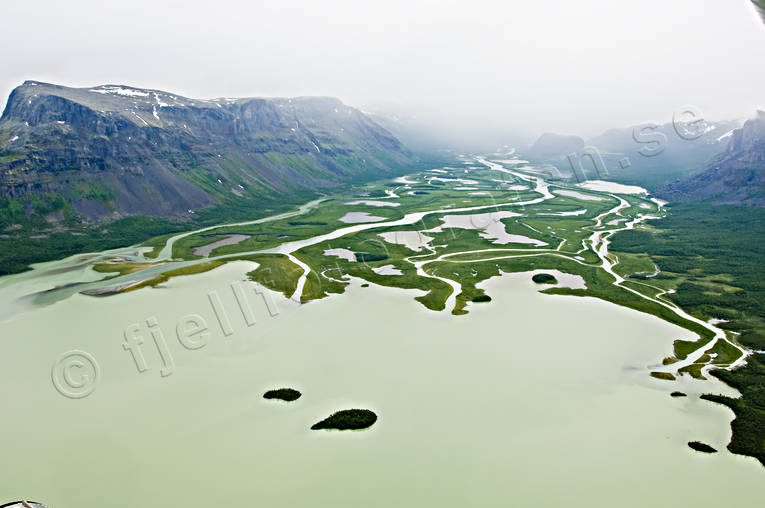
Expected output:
{"points": [[599, 241], [488, 409]]}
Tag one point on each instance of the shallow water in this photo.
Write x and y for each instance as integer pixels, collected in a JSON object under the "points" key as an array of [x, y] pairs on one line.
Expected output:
{"points": [[605, 186], [490, 223], [359, 217], [414, 240], [387, 270], [232, 239], [341, 253], [530, 400], [579, 195]]}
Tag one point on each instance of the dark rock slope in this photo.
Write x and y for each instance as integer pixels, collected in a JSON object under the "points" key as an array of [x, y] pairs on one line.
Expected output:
{"points": [[737, 176], [113, 151]]}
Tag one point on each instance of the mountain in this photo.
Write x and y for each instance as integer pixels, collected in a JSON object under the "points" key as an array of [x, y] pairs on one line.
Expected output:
{"points": [[113, 151], [648, 155], [737, 176], [654, 155]]}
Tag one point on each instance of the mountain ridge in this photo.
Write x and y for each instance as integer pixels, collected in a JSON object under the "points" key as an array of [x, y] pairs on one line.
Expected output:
{"points": [[736, 176], [115, 150], [90, 169], [650, 155]]}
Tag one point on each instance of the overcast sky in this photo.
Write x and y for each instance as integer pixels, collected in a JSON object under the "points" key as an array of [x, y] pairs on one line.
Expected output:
{"points": [[473, 69]]}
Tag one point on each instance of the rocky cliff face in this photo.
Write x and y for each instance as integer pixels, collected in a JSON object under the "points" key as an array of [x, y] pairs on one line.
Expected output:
{"points": [[113, 151], [647, 155], [737, 176]]}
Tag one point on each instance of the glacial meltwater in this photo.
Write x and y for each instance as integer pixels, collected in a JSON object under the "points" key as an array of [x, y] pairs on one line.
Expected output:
{"points": [[529, 400]]}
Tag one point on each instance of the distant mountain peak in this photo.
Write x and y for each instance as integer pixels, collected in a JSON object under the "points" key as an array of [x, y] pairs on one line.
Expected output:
{"points": [[737, 176]]}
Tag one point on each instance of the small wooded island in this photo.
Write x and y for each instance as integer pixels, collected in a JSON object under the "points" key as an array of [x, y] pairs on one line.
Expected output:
{"points": [[285, 394], [701, 447], [347, 419], [544, 278]]}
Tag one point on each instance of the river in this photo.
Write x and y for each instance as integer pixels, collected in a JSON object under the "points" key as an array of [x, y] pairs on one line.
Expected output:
{"points": [[529, 400]]}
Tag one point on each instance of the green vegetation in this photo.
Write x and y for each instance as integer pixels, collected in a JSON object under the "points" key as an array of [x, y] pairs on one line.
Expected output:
{"points": [[74, 236], [701, 447], [118, 268], [635, 266], [20, 250], [749, 424], [706, 357], [713, 256], [544, 278], [599, 283], [755, 340], [347, 419], [156, 244], [377, 253], [285, 394], [276, 272], [685, 347], [725, 354], [434, 260], [178, 272], [694, 370], [44, 227], [368, 257], [306, 223]]}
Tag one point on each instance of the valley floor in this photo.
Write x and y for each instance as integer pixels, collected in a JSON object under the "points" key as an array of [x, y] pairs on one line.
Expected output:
{"points": [[444, 231], [448, 235]]}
